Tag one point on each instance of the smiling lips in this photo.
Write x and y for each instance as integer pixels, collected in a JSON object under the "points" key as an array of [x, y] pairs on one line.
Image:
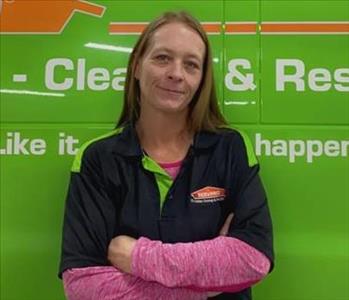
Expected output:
{"points": [[179, 92]]}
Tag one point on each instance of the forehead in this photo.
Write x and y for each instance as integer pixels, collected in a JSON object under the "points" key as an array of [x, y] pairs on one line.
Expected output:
{"points": [[178, 37]]}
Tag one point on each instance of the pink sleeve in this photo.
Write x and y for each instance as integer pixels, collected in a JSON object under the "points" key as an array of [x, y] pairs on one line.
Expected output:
{"points": [[221, 264], [108, 283]]}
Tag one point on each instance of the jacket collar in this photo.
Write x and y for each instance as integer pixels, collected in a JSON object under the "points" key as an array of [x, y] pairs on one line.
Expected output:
{"points": [[127, 142], [205, 139]]}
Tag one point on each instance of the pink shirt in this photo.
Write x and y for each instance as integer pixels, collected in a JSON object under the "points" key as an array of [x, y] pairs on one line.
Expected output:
{"points": [[172, 271], [172, 168]]}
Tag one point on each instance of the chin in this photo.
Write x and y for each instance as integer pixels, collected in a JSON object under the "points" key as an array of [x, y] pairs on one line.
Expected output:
{"points": [[175, 104], [173, 109]]}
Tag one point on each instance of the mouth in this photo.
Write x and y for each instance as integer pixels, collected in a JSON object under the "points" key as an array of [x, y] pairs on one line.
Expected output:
{"points": [[178, 92]]}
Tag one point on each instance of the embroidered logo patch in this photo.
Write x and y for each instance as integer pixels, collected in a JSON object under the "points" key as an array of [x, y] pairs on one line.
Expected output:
{"points": [[208, 194]]}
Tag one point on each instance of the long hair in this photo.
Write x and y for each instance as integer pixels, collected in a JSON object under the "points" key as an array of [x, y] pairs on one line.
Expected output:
{"points": [[204, 113]]}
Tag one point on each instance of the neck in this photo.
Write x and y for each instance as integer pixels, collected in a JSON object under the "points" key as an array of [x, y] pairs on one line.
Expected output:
{"points": [[165, 137], [160, 129]]}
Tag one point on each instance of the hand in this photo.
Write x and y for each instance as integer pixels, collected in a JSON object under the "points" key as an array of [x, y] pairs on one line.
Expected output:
{"points": [[225, 228], [120, 252], [224, 231]]}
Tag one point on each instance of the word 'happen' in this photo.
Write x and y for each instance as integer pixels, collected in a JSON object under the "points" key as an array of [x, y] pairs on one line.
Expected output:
{"points": [[294, 149]]}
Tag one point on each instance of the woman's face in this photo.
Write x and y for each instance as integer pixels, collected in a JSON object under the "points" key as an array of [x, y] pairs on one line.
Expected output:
{"points": [[171, 69]]}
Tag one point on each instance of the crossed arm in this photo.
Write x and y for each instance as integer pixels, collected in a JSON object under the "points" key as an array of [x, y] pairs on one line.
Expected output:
{"points": [[182, 270]]}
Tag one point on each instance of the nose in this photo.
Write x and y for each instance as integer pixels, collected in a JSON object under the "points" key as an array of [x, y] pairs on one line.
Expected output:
{"points": [[175, 71]]}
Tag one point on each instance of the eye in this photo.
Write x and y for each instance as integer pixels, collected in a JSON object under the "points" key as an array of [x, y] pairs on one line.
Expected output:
{"points": [[192, 65], [162, 58]]}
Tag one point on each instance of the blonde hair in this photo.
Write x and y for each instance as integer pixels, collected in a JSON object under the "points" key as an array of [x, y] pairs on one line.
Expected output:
{"points": [[204, 113]]}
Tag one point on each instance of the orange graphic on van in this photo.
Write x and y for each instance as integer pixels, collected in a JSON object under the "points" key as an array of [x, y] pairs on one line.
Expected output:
{"points": [[42, 17]]}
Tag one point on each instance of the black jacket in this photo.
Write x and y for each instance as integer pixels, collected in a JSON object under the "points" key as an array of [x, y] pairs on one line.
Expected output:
{"points": [[113, 191]]}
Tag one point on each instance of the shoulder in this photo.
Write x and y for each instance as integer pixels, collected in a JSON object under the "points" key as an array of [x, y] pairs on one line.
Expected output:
{"points": [[239, 142], [94, 149]]}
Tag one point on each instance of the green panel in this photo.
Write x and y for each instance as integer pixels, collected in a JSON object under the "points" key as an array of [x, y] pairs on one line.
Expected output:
{"points": [[307, 10], [241, 64], [301, 80], [308, 199], [51, 58], [76, 81], [33, 188]]}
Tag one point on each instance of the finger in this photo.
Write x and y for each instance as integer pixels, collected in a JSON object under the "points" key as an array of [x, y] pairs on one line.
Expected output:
{"points": [[225, 229]]}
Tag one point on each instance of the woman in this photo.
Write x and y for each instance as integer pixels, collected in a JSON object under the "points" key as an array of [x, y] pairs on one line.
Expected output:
{"points": [[148, 213]]}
